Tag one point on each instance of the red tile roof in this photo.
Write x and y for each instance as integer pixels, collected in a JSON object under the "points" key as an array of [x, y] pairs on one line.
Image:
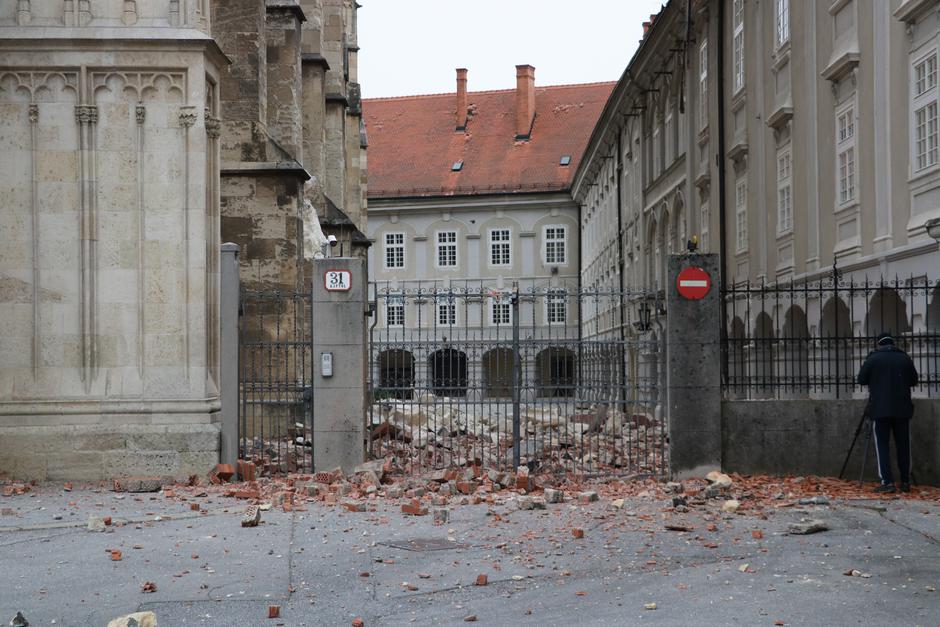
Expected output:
{"points": [[413, 144]]}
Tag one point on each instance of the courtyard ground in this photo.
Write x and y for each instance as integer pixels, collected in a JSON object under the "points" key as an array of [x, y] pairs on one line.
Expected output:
{"points": [[640, 561]]}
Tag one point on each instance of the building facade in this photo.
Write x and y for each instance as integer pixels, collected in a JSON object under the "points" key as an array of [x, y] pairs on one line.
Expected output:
{"points": [[469, 201], [293, 151], [109, 227], [796, 139]]}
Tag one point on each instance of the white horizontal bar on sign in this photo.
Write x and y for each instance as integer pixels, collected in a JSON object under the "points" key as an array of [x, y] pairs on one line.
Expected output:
{"points": [[691, 283]]}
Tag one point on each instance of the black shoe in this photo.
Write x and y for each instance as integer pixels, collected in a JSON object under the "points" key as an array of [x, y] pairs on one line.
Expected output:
{"points": [[905, 487], [885, 488]]}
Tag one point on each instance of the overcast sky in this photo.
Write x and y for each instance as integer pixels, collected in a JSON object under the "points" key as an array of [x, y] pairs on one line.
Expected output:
{"points": [[413, 46]]}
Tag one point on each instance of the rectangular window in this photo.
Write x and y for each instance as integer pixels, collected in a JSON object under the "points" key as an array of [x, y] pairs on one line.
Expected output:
{"points": [[555, 245], [738, 44], [740, 215], [703, 84], [394, 311], [446, 249], [446, 311], [657, 151], [782, 22], [925, 75], [784, 192], [703, 227], [500, 247], [556, 311], [394, 250], [845, 154], [925, 136], [500, 311]]}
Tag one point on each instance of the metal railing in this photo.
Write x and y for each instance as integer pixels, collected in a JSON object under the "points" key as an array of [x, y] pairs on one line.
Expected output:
{"points": [[476, 373], [809, 339], [275, 421]]}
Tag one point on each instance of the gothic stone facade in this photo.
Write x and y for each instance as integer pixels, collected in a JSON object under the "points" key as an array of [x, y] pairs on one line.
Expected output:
{"points": [[109, 127]]}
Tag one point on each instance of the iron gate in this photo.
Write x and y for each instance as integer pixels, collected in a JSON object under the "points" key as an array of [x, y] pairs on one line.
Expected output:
{"points": [[275, 411], [537, 374]]}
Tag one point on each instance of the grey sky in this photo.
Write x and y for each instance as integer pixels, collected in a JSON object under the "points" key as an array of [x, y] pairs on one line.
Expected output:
{"points": [[413, 46]]}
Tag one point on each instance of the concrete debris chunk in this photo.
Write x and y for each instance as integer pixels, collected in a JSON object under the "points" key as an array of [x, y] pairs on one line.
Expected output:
{"points": [[137, 619], [807, 526], [441, 515], [554, 496], [730, 506], [20, 621], [95, 523], [587, 497], [719, 479], [815, 500]]}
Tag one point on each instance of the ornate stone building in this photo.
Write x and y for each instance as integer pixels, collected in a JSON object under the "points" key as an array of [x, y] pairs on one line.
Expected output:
{"points": [[126, 129], [291, 132]]}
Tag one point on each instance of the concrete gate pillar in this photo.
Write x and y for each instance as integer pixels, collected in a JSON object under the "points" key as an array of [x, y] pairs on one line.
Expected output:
{"points": [[339, 342], [693, 362]]}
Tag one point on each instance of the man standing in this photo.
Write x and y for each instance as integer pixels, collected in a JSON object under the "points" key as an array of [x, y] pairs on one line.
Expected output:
{"points": [[890, 374]]}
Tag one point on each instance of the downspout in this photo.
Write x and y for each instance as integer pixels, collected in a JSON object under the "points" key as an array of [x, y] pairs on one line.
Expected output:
{"points": [[580, 293], [722, 211], [621, 268]]}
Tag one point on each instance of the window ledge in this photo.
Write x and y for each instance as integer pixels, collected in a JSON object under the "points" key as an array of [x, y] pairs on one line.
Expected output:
{"points": [[739, 99], [849, 206], [703, 136], [781, 115], [781, 56], [738, 149], [840, 65], [911, 10]]}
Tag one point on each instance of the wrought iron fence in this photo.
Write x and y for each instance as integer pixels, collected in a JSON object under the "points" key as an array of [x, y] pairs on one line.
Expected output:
{"points": [[476, 373], [275, 418], [809, 339]]}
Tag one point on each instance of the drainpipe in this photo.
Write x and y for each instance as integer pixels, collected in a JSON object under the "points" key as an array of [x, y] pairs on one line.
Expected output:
{"points": [[722, 211], [580, 298], [620, 263]]}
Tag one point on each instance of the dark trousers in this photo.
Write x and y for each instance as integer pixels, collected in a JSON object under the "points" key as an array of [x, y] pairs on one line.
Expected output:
{"points": [[901, 428]]}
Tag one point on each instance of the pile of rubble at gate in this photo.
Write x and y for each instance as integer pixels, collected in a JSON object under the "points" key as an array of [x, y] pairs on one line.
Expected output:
{"points": [[440, 432]]}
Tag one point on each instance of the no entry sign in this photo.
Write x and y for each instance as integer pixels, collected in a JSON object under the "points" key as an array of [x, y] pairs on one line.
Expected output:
{"points": [[693, 283]]}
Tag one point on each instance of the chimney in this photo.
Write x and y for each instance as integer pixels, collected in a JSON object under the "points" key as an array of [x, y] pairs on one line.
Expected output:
{"points": [[525, 100], [461, 114]]}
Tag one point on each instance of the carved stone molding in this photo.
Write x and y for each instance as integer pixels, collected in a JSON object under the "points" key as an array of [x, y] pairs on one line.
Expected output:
{"points": [[141, 112], [24, 13], [143, 84], [86, 114], [84, 12], [39, 84], [213, 127], [188, 116], [129, 16], [33, 113]]}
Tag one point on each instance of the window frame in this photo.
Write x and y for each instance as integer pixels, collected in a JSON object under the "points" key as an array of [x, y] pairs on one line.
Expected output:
{"points": [[398, 302], [501, 242], [442, 301], [737, 60], [439, 246], [923, 101], [704, 218], [740, 216], [500, 302], [563, 261], [781, 17], [703, 83], [387, 246], [552, 296], [846, 145], [784, 190]]}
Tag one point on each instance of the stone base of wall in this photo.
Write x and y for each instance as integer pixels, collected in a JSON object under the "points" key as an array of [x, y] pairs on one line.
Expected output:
{"points": [[80, 452], [812, 437]]}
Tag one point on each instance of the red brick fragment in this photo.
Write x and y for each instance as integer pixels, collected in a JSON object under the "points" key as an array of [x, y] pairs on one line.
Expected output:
{"points": [[358, 622], [116, 556], [274, 611], [246, 470], [224, 471], [414, 508], [482, 580], [467, 487], [148, 586], [577, 532], [194, 507], [107, 521]]}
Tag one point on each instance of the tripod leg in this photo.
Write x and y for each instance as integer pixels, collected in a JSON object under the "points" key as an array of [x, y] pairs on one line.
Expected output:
{"points": [[861, 473], [858, 430]]}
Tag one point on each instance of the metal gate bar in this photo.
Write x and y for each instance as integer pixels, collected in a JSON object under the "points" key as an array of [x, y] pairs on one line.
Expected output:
{"points": [[275, 423]]}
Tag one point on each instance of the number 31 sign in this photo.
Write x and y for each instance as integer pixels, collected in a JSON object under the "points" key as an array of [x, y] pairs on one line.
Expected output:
{"points": [[337, 280]]}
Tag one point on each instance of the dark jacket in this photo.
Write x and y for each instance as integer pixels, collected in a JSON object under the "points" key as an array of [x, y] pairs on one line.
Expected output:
{"points": [[889, 374]]}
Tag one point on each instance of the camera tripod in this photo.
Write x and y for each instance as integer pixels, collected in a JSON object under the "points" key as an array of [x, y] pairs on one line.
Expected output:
{"points": [[868, 437]]}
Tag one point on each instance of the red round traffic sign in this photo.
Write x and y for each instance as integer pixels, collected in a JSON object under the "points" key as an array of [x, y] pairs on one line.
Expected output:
{"points": [[693, 283]]}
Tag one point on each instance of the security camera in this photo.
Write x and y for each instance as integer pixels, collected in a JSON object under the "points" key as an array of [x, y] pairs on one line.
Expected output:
{"points": [[331, 239]]}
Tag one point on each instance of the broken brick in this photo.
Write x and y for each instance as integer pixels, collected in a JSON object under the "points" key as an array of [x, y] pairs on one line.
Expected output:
{"points": [[358, 622], [353, 505], [481, 580], [467, 487], [223, 471], [246, 470], [148, 586], [194, 507], [587, 497], [577, 532], [274, 611], [414, 508], [115, 556]]}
